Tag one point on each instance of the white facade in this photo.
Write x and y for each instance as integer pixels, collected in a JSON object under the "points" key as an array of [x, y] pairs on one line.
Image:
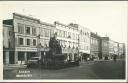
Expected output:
{"points": [[31, 37], [84, 39], [68, 37]]}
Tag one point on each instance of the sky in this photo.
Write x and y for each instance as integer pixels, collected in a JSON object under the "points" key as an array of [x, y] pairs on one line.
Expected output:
{"points": [[104, 17]]}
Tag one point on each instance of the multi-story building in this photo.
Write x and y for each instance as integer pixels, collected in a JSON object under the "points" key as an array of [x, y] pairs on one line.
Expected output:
{"points": [[68, 38], [116, 48], [105, 47], [95, 46], [25, 37], [26, 32], [111, 48], [8, 42], [31, 36], [121, 50], [84, 42], [46, 31]]}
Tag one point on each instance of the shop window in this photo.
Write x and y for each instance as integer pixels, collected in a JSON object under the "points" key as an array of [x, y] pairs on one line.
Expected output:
{"points": [[21, 41], [20, 28], [28, 41], [34, 42], [27, 30], [20, 56]]}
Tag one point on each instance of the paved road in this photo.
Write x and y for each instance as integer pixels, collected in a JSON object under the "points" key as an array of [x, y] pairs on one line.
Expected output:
{"points": [[87, 70]]}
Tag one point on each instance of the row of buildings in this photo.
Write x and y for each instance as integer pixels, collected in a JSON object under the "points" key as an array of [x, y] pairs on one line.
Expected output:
{"points": [[25, 37]]}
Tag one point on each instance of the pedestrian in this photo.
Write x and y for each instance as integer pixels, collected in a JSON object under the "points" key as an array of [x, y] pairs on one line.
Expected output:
{"points": [[114, 58]]}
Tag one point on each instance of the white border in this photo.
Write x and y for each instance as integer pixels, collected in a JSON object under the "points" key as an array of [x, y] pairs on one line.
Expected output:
{"points": [[56, 80]]}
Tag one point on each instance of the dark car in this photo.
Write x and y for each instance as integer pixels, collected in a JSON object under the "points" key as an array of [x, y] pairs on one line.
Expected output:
{"points": [[33, 62]]}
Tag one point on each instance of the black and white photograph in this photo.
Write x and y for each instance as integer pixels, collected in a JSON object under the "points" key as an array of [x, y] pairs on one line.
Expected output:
{"points": [[64, 40]]}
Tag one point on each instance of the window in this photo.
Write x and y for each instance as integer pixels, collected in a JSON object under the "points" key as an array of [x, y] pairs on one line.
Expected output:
{"points": [[72, 35], [34, 42], [69, 35], [60, 33], [21, 41], [85, 33], [87, 48], [28, 41], [27, 30], [52, 33], [20, 28], [47, 33], [42, 32], [64, 33], [34, 31], [46, 43], [9, 32], [76, 36]]}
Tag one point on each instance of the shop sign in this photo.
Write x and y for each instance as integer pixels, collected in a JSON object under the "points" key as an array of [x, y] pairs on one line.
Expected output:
{"points": [[44, 49], [25, 49]]}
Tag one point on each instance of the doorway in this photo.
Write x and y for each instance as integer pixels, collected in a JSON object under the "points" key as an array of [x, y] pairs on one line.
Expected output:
{"points": [[11, 57]]}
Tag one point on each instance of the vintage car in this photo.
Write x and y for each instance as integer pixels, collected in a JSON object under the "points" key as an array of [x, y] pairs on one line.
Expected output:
{"points": [[34, 62]]}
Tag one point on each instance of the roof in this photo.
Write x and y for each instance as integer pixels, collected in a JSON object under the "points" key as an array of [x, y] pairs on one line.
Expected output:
{"points": [[56, 22], [105, 38], [16, 14], [48, 24], [95, 35], [8, 22]]}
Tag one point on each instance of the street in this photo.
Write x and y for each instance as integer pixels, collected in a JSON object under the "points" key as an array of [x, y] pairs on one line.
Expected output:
{"points": [[87, 70]]}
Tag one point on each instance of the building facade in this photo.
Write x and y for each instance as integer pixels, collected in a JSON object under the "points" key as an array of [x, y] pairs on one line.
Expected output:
{"points": [[31, 38], [26, 31], [84, 42], [25, 37], [67, 35], [95, 46], [111, 49], [121, 50], [8, 43], [105, 47], [116, 48], [46, 31]]}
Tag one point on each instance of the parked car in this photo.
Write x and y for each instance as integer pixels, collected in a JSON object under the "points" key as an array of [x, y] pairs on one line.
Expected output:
{"points": [[33, 62]]}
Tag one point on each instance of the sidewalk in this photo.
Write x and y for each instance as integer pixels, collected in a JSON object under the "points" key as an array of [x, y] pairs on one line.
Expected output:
{"points": [[13, 66]]}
